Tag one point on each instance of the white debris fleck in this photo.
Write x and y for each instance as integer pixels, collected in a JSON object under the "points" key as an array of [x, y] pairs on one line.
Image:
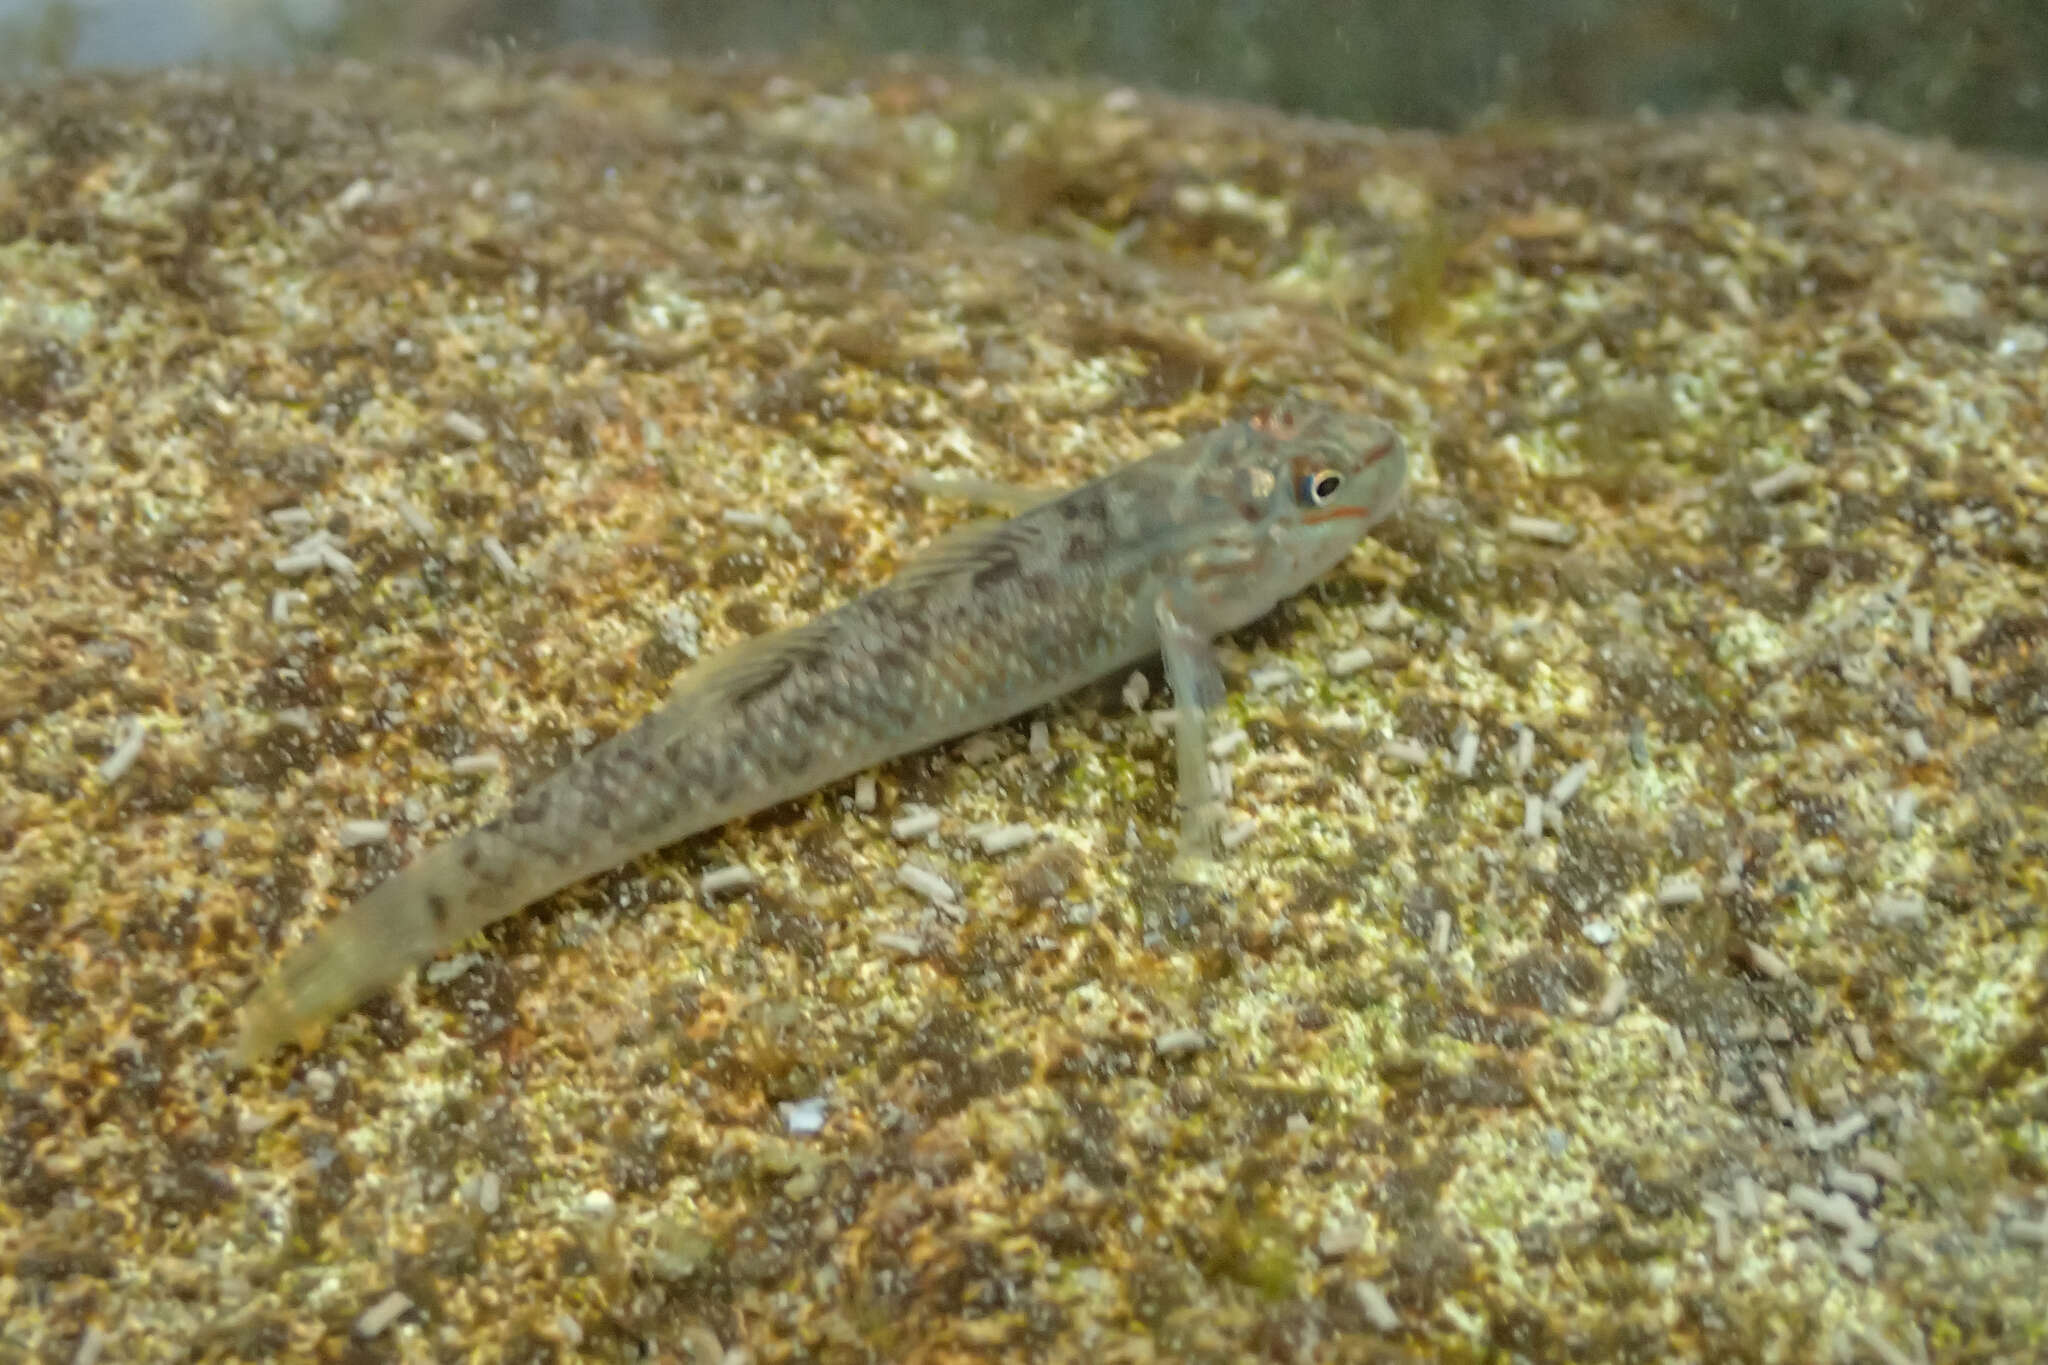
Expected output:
{"points": [[1238, 832], [804, 1118], [915, 823], [1598, 932], [597, 1204], [127, 748], [1467, 754], [489, 1188], [1782, 481], [358, 193], [1546, 529], [1611, 1001], [981, 749], [1837, 1211], [1401, 749], [1914, 745], [864, 792], [1571, 783], [448, 968], [1775, 1096], [281, 603], [1959, 685], [1532, 816], [1040, 743], [1339, 1239], [1676, 891], [1523, 756], [747, 518], [362, 833], [415, 520], [1858, 1185], [1272, 677], [1905, 805], [335, 562], [1379, 1314], [1136, 690], [1859, 1043], [1738, 295], [374, 1320], [501, 558], [464, 428], [1004, 838], [1440, 933], [1179, 1042], [681, 628], [1227, 743], [1749, 1197], [1921, 623], [1766, 962], [901, 944], [719, 880], [1346, 662], [475, 765], [299, 563], [1844, 1129], [1894, 908], [926, 883], [1724, 1239], [2032, 1231]]}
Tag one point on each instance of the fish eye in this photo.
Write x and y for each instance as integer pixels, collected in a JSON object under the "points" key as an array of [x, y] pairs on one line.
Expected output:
{"points": [[1319, 488]]}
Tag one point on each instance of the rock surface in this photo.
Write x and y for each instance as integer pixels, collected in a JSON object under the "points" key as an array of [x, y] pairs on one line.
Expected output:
{"points": [[1640, 949]]}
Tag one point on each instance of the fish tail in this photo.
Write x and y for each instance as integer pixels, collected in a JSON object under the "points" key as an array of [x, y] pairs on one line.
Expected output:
{"points": [[436, 900], [634, 793]]}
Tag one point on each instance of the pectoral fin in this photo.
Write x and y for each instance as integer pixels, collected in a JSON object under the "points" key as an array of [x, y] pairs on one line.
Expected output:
{"points": [[1197, 682]]}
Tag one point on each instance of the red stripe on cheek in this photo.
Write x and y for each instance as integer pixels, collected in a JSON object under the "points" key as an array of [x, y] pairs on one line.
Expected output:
{"points": [[1336, 514]]}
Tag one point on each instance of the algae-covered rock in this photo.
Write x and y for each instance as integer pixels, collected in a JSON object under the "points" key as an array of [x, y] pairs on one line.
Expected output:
{"points": [[1636, 947]]}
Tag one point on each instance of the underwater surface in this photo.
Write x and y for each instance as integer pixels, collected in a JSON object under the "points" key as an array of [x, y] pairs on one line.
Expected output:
{"points": [[1632, 940]]}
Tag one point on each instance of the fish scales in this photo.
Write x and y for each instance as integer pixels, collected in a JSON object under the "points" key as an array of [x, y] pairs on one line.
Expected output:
{"points": [[1163, 554]]}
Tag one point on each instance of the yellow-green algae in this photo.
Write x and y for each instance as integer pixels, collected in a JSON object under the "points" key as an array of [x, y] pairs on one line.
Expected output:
{"points": [[662, 294]]}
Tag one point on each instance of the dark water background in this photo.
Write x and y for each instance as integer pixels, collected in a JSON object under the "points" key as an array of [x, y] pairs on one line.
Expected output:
{"points": [[1975, 71]]}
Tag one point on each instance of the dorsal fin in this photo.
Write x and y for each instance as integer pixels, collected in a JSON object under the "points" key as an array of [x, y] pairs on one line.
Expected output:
{"points": [[980, 554], [740, 672], [965, 550]]}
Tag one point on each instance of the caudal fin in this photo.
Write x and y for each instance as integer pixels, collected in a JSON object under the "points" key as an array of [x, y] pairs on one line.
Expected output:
{"points": [[373, 943]]}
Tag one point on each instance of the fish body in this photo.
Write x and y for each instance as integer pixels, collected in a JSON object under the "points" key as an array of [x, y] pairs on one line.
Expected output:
{"points": [[1160, 556]]}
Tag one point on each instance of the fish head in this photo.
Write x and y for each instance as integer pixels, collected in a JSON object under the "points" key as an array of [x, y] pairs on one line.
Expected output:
{"points": [[1335, 475], [1305, 482]]}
